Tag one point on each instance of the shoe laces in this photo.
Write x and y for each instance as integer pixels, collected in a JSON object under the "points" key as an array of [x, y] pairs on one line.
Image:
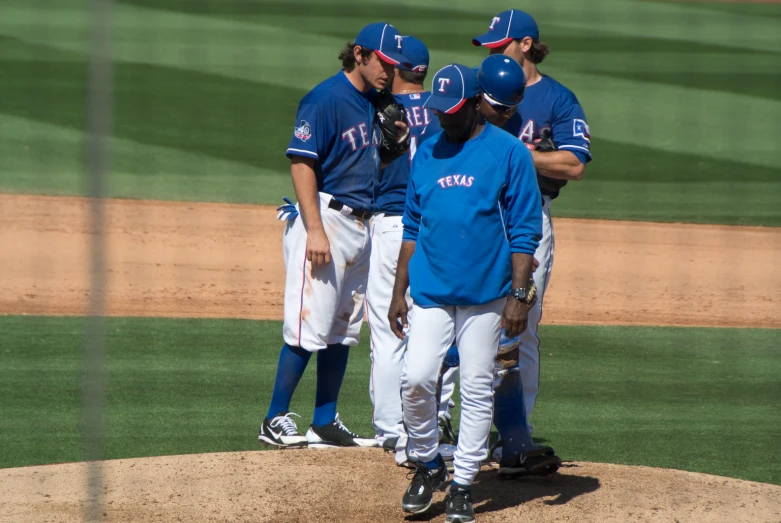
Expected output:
{"points": [[341, 427], [420, 475], [286, 422]]}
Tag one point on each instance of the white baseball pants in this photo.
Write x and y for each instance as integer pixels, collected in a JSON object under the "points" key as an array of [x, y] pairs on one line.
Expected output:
{"points": [[529, 357], [387, 351], [476, 330], [324, 306]]}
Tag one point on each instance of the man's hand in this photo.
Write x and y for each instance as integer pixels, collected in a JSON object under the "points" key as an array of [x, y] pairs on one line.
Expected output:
{"points": [[401, 134], [318, 248], [397, 315], [514, 317]]}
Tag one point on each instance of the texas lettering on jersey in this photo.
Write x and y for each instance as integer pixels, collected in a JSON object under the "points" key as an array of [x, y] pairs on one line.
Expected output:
{"points": [[456, 180], [357, 137]]}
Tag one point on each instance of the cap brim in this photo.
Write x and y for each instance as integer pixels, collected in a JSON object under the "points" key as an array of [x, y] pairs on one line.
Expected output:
{"points": [[445, 105], [489, 40], [394, 59]]}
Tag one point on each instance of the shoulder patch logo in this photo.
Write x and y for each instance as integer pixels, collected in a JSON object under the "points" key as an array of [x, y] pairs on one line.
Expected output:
{"points": [[304, 131], [580, 129]]}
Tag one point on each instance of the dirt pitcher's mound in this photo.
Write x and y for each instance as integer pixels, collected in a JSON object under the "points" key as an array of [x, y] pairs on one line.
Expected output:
{"points": [[365, 485]]}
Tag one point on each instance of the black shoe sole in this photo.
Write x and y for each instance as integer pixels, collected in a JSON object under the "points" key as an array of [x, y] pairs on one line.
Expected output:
{"points": [[459, 519], [542, 468]]}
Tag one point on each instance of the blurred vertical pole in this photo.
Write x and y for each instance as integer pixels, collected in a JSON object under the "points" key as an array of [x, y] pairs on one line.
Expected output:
{"points": [[99, 121]]}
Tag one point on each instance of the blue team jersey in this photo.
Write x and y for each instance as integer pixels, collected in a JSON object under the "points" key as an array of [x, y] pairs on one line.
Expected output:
{"points": [[335, 125], [469, 206], [392, 187], [548, 104]]}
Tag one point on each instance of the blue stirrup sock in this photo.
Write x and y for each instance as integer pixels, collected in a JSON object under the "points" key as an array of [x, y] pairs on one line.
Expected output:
{"points": [[510, 414], [331, 366], [434, 463], [291, 366]]}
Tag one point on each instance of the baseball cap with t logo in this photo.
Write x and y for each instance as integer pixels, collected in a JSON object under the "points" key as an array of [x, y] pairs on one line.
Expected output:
{"points": [[385, 41], [507, 26], [451, 87]]}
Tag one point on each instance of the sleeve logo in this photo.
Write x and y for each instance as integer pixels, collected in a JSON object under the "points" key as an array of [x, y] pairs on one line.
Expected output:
{"points": [[580, 129], [304, 131]]}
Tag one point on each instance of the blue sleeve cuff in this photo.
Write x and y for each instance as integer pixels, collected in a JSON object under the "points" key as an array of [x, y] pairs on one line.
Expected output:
{"points": [[526, 248], [409, 235]]}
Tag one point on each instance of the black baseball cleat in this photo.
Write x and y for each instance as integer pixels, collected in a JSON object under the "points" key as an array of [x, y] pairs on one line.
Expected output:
{"points": [[335, 434], [458, 505], [281, 431], [446, 433], [417, 498], [539, 461]]}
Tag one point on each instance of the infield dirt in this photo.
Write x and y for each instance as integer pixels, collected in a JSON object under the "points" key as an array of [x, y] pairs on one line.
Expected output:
{"points": [[212, 260], [365, 485]]}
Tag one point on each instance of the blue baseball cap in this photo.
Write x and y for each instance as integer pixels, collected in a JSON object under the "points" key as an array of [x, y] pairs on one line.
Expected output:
{"points": [[502, 80], [451, 87], [383, 39], [506, 26], [416, 54]]}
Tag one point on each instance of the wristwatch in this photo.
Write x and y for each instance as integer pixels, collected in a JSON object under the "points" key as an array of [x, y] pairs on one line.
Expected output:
{"points": [[519, 294]]}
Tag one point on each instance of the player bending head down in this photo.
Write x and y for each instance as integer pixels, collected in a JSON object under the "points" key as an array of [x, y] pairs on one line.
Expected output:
{"points": [[502, 82], [375, 67], [503, 38], [468, 270]]}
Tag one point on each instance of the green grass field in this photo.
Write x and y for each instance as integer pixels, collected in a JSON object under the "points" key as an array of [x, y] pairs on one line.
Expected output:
{"points": [[705, 400], [206, 92], [683, 104]]}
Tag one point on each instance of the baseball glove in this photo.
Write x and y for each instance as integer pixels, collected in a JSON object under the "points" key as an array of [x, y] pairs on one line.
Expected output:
{"points": [[544, 143], [389, 111]]}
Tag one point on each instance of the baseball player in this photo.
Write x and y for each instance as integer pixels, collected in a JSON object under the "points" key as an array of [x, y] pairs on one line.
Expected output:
{"points": [[472, 222], [387, 351], [552, 123], [335, 158]]}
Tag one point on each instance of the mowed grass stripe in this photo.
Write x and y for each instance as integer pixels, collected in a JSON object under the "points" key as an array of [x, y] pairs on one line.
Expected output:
{"points": [[209, 94], [683, 398], [629, 111], [197, 141], [43, 158]]}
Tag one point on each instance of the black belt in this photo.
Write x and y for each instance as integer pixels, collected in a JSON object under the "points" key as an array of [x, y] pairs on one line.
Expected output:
{"points": [[338, 206]]}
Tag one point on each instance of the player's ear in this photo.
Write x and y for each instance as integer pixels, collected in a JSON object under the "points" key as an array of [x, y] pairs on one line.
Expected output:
{"points": [[478, 100], [526, 44], [357, 54]]}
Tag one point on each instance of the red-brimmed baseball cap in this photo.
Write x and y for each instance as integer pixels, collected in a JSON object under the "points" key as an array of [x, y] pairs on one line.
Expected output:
{"points": [[451, 87], [384, 40], [507, 26]]}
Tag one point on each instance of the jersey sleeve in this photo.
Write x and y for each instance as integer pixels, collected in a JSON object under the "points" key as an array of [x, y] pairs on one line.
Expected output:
{"points": [[411, 218], [310, 132], [523, 203], [570, 131]]}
